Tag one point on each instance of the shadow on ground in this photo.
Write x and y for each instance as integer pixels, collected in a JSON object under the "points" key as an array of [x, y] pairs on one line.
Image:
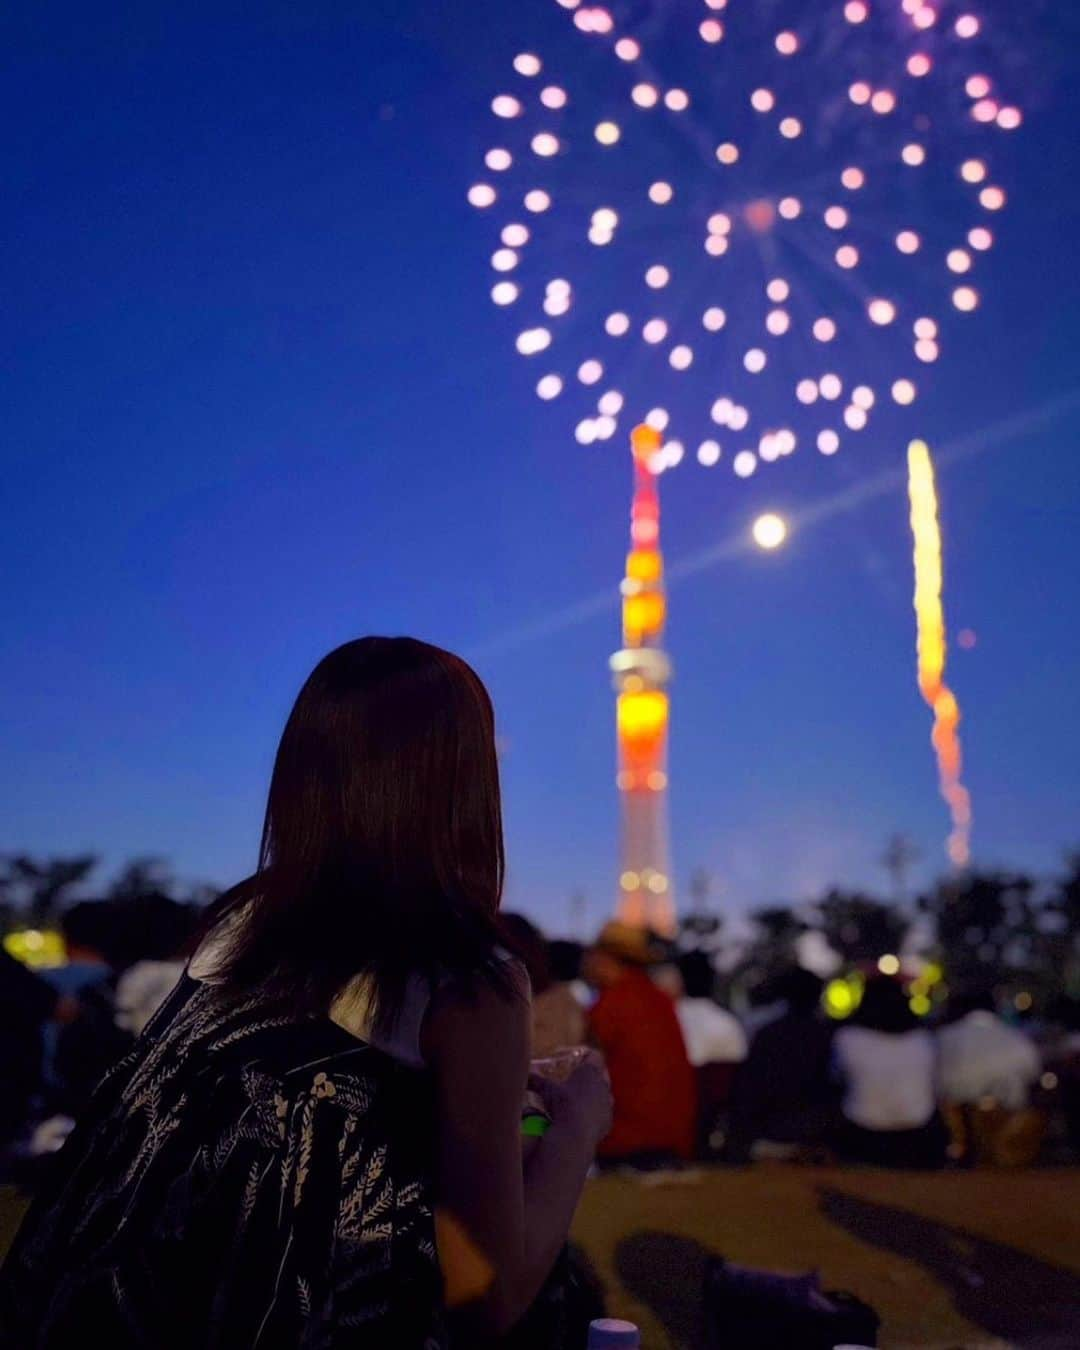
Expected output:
{"points": [[667, 1274], [1021, 1299]]}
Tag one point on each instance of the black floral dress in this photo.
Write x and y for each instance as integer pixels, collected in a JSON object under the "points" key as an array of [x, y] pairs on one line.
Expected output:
{"points": [[243, 1181]]}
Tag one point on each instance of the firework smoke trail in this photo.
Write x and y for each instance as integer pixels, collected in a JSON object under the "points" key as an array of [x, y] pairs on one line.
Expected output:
{"points": [[932, 646]]}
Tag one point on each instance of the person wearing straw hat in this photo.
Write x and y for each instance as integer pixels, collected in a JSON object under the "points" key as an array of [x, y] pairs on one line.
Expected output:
{"points": [[635, 1026]]}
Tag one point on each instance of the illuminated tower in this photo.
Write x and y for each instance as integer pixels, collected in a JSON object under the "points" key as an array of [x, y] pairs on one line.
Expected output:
{"points": [[641, 673]]}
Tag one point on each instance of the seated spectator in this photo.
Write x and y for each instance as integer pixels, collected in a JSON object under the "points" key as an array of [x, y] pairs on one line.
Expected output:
{"points": [[715, 1042], [980, 1056], [88, 929], [783, 1093], [558, 1019], [82, 1050], [635, 1026], [986, 1070], [27, 1003], [158, 934], [712, 1034], [887, 1065]]}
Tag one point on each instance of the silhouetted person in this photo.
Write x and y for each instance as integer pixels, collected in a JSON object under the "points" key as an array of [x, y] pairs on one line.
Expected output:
{"points": [[783, 1092], [558, 1019], [981, 1056], [634, 1025], [886, 1061], [27, 1002], [320, 1142]]}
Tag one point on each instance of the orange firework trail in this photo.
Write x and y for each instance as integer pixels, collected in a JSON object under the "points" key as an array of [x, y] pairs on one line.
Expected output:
{"points": [[931, 647]]}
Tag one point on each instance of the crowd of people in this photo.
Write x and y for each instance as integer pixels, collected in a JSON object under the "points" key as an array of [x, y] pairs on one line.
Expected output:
{"points": [[690, 1079], [364, 1096]]}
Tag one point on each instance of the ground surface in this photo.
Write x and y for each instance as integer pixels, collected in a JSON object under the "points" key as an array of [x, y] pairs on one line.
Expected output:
{"points": [[949, 1260], [954, 1260]]}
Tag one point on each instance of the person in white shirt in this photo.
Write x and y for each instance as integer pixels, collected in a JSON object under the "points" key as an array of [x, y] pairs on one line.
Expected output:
{"points": [[887, 1062], [714, 1038], [982, 1058], [712, 1034]]}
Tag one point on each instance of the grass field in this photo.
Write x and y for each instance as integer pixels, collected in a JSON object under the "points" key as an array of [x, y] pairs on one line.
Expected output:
{"points": [[970, 1259], [952, 1260]]}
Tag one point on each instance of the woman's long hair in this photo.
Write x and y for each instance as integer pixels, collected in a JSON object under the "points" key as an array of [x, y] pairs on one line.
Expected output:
{"points": [[382, 849]]}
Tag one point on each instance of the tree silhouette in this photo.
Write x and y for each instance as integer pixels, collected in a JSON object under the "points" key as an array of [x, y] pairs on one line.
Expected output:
{"points": [[859, 928], [37, 888], [987, 928]]}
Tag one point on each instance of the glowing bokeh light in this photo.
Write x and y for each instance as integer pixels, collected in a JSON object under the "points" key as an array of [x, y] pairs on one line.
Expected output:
{"points": [[708, 453], [482, 195], [881, 312], [776, 203], [769, 531], [744, 463], [533, 340], [778, 321]]}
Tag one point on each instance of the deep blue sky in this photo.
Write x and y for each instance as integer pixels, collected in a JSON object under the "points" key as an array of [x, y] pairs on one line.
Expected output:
{"points": [[255, 402]]}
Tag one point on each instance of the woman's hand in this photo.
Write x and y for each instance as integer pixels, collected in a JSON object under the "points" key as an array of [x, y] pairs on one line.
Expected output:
{"points": [[583, 1101]]}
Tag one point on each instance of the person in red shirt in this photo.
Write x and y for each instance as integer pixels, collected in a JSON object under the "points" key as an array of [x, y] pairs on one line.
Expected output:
{"points": [[635, 1026]]}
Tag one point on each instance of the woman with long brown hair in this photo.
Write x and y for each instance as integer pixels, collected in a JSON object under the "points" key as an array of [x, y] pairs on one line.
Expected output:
{"points": [[316, 1142]]}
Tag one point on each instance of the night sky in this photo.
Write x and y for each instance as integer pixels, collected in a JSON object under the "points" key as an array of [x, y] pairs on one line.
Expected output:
{"points": [[256, 402]]}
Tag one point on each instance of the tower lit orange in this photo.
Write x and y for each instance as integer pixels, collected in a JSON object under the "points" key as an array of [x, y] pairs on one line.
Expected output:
{"points": [[641, 673]]}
